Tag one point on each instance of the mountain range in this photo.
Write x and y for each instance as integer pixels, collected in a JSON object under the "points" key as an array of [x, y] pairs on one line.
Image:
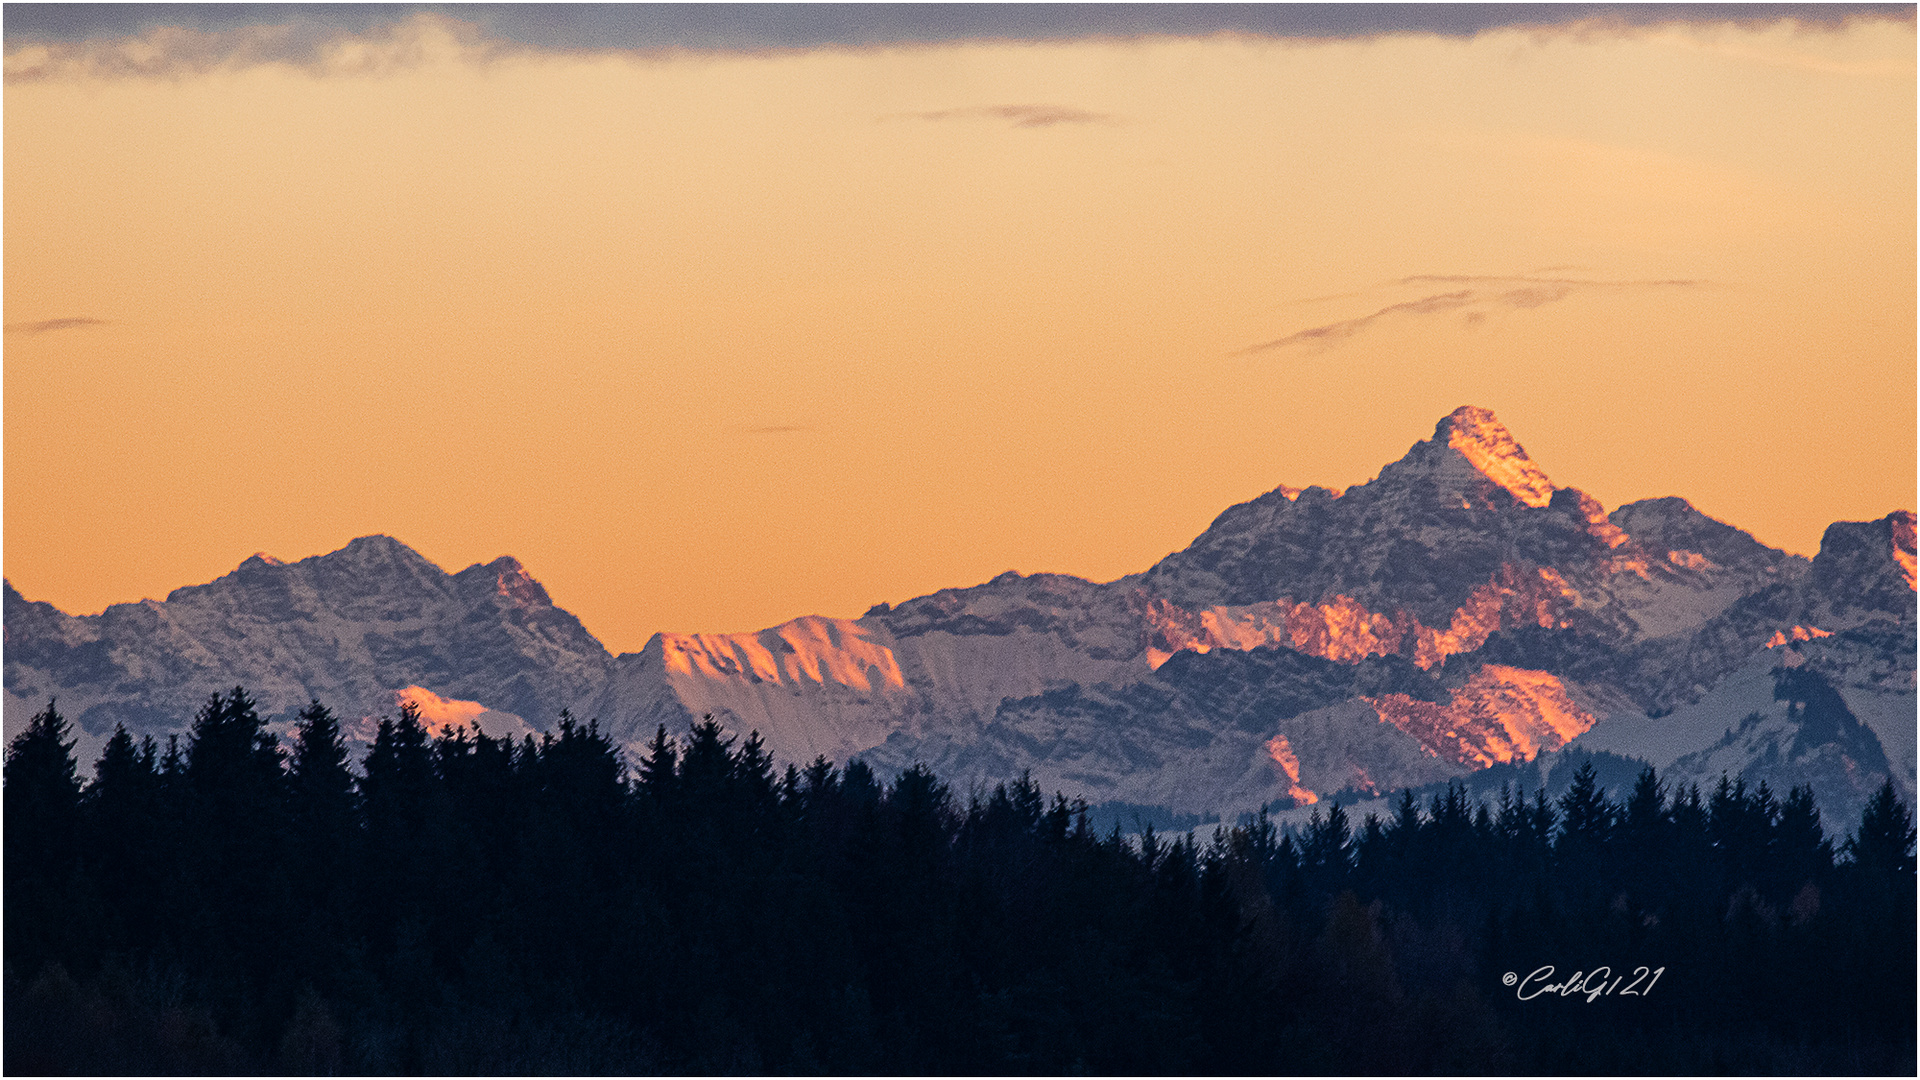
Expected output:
{"points": [[1458, 616]]}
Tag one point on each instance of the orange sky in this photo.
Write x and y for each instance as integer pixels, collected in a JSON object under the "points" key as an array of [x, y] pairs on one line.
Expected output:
{"points": [[710, 341]]}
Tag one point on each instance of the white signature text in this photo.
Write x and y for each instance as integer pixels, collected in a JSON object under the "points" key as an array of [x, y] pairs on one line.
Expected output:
{"points": [[1593, 985]]}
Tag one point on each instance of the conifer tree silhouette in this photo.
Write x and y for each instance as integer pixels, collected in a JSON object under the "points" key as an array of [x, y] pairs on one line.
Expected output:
{"points": [[42, 803], [233, 821], [523, 908], [122, 839], [657, 769], [1884, 843], [396, 793], [322, 824], [1800, 854]]}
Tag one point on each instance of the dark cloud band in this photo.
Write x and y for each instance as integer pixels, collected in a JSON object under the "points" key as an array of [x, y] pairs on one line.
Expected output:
{"points": [[754, 27]]}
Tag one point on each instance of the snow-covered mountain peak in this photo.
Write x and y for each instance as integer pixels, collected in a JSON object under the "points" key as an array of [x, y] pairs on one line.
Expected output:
{"points": [[1471, 462], [1422, 536], [346, 627], [507, 578], [376, 546], [1672, 528], [1868, 566], [1486, 444], [370, 563]]}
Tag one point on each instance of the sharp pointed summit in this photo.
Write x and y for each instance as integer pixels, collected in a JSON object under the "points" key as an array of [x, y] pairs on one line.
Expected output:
{"points": [[1429, 530], [1472, 461], [1479, 437]]}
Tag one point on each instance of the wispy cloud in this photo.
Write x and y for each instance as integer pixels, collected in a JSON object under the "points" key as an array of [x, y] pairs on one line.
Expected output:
{"points": [[1017, 115], [776, 429], [48, 325], [1333, 333], [1480, 295], [172, 40]]}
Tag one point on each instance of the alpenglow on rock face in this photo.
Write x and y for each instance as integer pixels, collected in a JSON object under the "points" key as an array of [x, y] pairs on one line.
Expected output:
{"points": [[1458, 611]]}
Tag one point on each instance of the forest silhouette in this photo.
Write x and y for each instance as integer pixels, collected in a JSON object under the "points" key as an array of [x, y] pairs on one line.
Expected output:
{"points": [[464, 904]]}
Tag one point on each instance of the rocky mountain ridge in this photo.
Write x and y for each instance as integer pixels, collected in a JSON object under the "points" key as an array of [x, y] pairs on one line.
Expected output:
{"points": [[1458, 611], [348, 627]]}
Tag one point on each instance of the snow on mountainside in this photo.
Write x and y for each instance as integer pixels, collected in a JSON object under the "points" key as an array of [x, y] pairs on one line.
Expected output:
{"points": [[348, 628], [836, 687], [1456, 612], [1820, 688]]}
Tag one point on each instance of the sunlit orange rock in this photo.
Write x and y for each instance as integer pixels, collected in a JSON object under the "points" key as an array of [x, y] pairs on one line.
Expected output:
{"points": [[1598, 526], [1691, 560], [438, 714], [1797, 633], [1903, 553], [1289, 762], [1345, 631], [1502, 714], [813, 649], [1489, 447]]}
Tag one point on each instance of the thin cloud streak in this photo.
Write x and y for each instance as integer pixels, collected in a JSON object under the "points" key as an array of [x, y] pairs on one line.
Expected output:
{"points": [[1328, 335], [49, 325], [776, 429], [1019, 115], [1509, 293], [175, 40]]}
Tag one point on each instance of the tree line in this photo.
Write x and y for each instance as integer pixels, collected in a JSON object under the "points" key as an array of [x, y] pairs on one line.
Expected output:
{"points": [[460, 903]]}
